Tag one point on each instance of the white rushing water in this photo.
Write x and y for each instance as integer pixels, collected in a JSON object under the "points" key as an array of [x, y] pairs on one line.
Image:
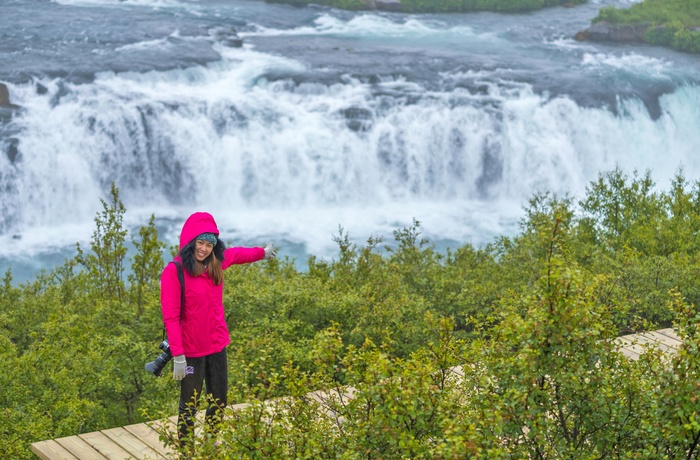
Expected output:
{"points": [[289, 148]]}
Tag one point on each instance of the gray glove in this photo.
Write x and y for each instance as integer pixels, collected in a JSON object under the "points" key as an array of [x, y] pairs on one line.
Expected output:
{"points": [[179, 367], [270, 251]]}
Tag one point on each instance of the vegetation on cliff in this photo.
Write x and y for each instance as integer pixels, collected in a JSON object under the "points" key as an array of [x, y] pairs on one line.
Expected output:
{"points": [[531, 319], [672, 23]]}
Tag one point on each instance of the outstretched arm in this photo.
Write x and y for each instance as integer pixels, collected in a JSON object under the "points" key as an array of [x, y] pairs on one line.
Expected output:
{"points": [[240, 255]]}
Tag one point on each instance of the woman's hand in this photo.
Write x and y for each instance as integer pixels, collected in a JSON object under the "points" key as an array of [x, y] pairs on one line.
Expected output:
{"points": [[179, 367], [270, 252]]}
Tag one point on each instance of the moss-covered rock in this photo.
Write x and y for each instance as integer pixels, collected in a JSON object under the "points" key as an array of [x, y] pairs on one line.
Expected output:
{"points": [[671, 23]]}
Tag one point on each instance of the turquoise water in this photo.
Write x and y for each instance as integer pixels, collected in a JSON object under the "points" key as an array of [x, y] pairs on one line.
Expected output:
{"points": [[322, 120]]}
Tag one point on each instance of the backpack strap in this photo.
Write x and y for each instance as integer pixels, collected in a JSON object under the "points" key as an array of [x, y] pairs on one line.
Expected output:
{"points": [[181, 277]]}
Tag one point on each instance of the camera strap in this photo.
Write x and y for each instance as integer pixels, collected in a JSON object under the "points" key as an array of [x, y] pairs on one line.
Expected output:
{"points": [[181, 277]]}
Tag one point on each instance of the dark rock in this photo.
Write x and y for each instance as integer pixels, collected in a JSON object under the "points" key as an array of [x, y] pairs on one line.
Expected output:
{"points": [[12, 150], [232, 42], [492, 167], [4, 95], [604, 31], [228, 37], [357, 119], [388, 5], [5, 98], [629, 33]]}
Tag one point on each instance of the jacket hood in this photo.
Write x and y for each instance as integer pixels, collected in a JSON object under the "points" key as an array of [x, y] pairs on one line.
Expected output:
{"points": [[195, 225]]}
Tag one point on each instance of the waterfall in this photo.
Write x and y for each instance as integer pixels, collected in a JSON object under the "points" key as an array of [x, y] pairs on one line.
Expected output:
{"points": [[227, 133]]}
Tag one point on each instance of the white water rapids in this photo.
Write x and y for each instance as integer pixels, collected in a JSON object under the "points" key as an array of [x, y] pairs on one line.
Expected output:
{"points": [[290, 148]]}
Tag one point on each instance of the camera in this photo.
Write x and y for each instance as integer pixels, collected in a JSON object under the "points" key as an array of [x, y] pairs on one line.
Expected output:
{"points": [[156, 366]]}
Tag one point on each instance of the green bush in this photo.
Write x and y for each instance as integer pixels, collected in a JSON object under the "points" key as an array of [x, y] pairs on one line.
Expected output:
{"points": [[664, 34], [687, 40], [529, 318]]}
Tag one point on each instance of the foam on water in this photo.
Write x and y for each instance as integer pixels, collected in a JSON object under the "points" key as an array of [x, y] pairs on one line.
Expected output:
{"points": [[631, 62], [161, 42], [101, 3], [373, 26]]}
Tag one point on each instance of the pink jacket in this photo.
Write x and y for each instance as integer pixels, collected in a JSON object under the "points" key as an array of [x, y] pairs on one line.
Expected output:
{"points": [[202, 329]]}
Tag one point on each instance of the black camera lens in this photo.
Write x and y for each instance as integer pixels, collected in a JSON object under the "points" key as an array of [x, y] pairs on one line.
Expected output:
{"points": [[156, 366]]}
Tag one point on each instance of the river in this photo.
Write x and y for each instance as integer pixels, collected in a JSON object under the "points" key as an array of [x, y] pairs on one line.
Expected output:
{"points": [[323, 120]]}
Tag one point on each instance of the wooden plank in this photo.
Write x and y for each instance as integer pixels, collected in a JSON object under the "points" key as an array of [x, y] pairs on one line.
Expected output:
{"points": [[645, 340], [629, 353], [665, 343], [80, 448], [235, 407], [130, 443], [150, 437], [457, 371], [670, 334], [629, 346], [633, 345], [167, 424], [104, 445], [50, 450]]}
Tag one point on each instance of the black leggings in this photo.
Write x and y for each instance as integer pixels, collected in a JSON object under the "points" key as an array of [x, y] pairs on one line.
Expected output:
{"points": [[214, 370]]}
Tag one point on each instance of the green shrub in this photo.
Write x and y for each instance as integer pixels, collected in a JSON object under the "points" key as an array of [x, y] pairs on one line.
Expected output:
{"points": [[687, 40], [526, 317], [663, 35]]}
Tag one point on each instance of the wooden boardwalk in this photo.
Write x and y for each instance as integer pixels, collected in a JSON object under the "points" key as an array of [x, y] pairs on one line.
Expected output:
{"points": [[633, 345], [141, 441], [138, 441]]}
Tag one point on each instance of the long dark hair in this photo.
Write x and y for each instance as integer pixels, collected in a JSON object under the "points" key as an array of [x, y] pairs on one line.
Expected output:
{"points": [[212, 263]]}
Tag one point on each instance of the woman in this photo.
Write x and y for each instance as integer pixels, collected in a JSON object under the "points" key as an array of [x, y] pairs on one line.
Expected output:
{"points": [[197, 331]]}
